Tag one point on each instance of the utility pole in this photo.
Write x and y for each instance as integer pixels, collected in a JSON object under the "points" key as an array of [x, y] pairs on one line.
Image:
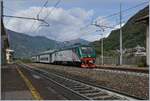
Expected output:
{"points": [[120, 35], [4, 37], [102, 50], [2, 9]]}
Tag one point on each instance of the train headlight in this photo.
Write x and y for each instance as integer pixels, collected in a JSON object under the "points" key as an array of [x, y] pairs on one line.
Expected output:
{"points": [[89, 56], [90, 61]]}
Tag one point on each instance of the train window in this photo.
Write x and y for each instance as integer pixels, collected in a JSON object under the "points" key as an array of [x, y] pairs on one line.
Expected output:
{"points": [[44, 58], [87, 50]]}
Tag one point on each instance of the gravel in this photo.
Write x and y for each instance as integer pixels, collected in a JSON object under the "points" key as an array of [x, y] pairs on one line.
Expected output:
{"points": [[134, 85]]}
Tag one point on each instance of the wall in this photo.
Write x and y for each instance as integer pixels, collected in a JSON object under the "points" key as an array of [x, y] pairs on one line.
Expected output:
{"points": [[135, 60]]}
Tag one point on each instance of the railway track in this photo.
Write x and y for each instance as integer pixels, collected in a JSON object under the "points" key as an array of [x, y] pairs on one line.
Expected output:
{"points": [[86, 91], [121, 69], [125, 69]]}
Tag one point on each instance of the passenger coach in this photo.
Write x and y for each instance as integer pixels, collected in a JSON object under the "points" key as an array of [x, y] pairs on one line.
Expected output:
{"points": [[82, 55]]}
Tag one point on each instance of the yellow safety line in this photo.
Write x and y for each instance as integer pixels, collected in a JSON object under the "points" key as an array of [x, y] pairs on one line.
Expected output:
{"points": [[32, 89]]}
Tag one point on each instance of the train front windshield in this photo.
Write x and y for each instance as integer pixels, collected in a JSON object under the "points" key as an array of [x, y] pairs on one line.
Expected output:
{"points": [[87, 51]]}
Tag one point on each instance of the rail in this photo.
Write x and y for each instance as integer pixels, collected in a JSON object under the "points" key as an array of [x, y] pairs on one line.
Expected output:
{"points": [[84, 90]]}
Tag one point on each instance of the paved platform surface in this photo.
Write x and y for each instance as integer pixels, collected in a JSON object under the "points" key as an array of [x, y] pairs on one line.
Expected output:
{"points": [[16, 85], [13, 87]]}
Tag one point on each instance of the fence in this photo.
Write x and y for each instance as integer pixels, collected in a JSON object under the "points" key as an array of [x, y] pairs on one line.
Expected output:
{"points": [[135, 60]]}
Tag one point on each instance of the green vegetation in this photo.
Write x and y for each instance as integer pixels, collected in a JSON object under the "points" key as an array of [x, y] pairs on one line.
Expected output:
{"points": [[25, 46], [133, 35], [142, 63], [24, 60]]}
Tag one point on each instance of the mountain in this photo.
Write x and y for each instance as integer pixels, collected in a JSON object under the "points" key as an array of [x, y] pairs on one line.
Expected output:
{"points": [[25, 45], [133, 34], [77, 41]]}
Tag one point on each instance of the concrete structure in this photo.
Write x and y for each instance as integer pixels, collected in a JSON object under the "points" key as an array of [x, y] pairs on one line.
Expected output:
{"points": [[4, 43], [4, 39], [145, 19], [9, 55], [136, 51]]}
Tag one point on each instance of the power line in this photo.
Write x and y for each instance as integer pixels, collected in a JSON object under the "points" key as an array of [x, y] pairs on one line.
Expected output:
{"points": [[10, 9], [50, 12], [117, 13], [53, 8], [20, 17], [38, 14], [125, 10]]}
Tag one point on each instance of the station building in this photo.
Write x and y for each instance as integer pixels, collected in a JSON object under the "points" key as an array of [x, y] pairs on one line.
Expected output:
{"points": [[6, 52]]}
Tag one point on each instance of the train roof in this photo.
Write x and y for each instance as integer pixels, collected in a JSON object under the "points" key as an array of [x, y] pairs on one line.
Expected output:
{"points": [[74, 46], [45, 52], [65, 48], [48, 51]]}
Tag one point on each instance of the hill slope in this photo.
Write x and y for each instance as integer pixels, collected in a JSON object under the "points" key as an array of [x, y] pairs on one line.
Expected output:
{"points": [[25, 45], [133, 34], [75, 41]]}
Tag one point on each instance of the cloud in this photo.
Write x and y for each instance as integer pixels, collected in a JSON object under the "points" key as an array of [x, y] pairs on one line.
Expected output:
{"points": [[64, 24], [118, 26], [92, 37]]}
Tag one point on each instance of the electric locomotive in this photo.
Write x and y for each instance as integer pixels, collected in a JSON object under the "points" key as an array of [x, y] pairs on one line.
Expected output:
{"points": [[87, 56], [82, 55]]}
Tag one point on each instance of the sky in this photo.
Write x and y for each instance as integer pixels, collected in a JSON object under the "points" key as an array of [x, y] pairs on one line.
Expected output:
{"points": [[70, 19]]}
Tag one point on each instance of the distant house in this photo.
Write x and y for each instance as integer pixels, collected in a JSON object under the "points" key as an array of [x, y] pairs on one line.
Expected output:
{"points": [[6, 53], [140, 51], [136, 51], [145, 19], [9, 55]]}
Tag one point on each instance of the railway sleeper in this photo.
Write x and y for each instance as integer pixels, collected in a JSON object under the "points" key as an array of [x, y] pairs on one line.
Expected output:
{"points": [[76, 87], [88, 91], [74, 84], [68, 84], [114, 98], [96, 94], [102, 97], [82, 89]]}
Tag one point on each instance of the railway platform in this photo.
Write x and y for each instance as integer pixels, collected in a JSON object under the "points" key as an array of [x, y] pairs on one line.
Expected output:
{"points": [[12, 85], [19, 84]]}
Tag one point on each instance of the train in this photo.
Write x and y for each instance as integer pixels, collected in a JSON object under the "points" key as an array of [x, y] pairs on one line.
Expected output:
{"points": [[80, 55]]}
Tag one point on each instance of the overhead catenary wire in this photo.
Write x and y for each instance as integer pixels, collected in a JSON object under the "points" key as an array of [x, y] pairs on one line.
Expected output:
{"points": [[38, 14], [10, 9], [125, 10], [52, 9], [21, 17], [49, 13], [28, 18], [117, 13]]}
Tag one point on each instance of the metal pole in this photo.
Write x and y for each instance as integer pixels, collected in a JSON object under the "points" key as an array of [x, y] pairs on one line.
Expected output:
{"points": [[120, 36], [2, 9], [102, 50]]}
